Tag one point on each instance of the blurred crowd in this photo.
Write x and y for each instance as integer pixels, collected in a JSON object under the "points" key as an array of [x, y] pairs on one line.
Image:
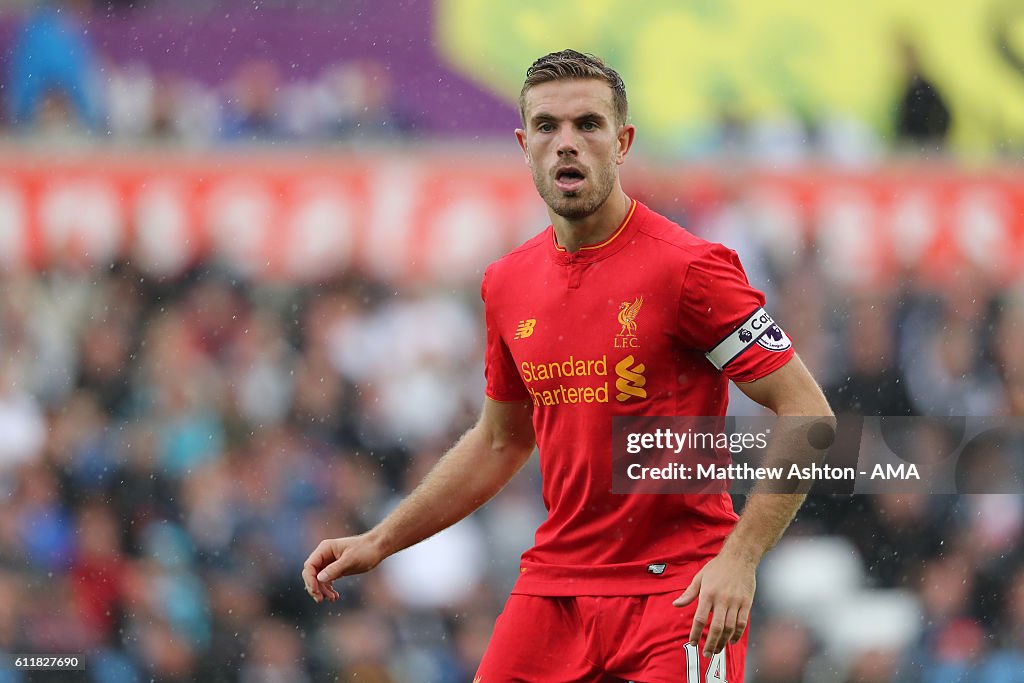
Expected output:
{"points": [[174, 448], [62, 87]]}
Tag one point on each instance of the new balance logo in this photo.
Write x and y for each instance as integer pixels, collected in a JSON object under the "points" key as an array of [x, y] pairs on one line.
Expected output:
{"points": [[631, 379], [525, 328]]}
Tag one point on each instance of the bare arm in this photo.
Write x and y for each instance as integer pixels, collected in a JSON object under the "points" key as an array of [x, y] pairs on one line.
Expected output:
{"points": [[788, 392], [725, 585], [468, 475]]}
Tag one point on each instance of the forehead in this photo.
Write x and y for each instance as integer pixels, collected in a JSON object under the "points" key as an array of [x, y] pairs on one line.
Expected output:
{"points": [[569, 98]]}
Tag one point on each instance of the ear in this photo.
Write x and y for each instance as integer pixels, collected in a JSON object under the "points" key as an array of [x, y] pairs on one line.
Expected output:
{"points": [[521, 139], [625, 140]]}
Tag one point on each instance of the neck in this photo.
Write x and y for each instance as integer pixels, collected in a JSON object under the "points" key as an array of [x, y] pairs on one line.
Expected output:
{"points": [[595, 228]]}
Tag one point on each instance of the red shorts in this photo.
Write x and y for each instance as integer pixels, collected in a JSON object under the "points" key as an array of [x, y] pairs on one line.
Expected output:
{"points": [[594, 639]]}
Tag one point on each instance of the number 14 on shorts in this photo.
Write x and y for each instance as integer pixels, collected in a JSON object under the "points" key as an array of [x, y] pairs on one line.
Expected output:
{"points": [[716, 669]]}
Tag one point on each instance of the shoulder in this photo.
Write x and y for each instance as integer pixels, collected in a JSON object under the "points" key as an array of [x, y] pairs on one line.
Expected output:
{"points": [[524, 257], [525, 254], [668, 240]]}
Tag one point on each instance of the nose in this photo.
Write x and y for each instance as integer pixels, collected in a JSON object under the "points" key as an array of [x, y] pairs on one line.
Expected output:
{"points": [[567, 141]]}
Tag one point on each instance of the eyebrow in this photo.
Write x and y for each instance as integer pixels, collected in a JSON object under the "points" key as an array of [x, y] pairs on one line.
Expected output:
{"points": [[543, 117]]}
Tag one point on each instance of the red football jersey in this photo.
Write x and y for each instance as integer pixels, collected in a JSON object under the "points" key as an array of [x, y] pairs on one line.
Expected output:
{"points": [[649, 322]]}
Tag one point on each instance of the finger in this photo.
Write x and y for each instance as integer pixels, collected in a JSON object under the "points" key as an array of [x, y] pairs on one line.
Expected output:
{"points": [[320, 556], [700, 620], [728, 628], [691, 592], [742, 617], [309, 579], [714, 631], [327, 589], [335, 570]]}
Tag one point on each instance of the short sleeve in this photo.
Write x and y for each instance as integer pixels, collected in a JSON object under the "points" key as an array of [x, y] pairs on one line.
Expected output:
{"points": [[723, 316], [502, 377]]}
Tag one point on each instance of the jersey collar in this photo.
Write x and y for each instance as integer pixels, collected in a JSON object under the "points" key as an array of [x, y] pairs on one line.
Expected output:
{"points": [[596, 252]]}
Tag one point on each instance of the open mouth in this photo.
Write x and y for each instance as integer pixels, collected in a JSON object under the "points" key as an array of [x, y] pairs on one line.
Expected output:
{"points": [[569, 179]]}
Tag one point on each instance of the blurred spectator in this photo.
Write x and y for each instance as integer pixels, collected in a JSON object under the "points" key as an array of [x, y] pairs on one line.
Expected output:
{"points": [[184, 110], [358, 645], [131, 100], [443, 570], [875, 666], [21, 420], [98, 571], [953, 639], [52, 84], [781, 653], [44, 527], [873, 383], [253, 107], [922, 116], [1009, 352], [106, 347], [275, 655], [360, 104], [943, 354], [896, 532], [1006, 665]]}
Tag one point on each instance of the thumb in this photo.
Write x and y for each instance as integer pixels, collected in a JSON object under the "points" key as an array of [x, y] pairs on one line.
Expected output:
{"points": [[334, 570], [691, 592]]}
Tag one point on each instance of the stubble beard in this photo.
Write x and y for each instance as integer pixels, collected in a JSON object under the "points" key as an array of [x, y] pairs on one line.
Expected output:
{"points": [[575, 205]]}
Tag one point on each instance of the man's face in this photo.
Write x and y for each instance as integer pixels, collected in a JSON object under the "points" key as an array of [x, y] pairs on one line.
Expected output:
{"points": [[573, 144]]}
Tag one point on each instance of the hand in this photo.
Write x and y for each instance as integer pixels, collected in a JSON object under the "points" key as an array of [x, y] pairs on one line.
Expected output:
{"points": [[725, 588], [337, 557]]}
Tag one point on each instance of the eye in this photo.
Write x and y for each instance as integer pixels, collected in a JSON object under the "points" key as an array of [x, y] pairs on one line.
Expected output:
{"points": [[545, 127], [589, 125]]}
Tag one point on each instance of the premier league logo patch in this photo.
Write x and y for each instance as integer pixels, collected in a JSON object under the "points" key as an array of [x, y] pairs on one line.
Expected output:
{"points": [[745, 335], [774, 339]]}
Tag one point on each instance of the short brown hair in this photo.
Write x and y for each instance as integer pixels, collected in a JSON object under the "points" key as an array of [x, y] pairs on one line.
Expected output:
{"points": [[572, 65]]}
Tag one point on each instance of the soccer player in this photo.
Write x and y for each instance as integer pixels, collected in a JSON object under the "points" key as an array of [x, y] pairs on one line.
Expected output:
{"points": [[611, 310]]}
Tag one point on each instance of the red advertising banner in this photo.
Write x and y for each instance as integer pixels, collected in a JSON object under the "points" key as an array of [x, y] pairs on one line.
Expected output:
{"points": [[423, 215], [267, 215]]}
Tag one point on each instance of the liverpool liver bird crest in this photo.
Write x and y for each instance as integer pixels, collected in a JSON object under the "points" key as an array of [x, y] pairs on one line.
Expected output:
{"points": [[627, 316]]}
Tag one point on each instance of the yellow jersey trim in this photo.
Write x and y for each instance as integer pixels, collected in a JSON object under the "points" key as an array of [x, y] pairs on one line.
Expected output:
{"points": [[608, 241]]}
